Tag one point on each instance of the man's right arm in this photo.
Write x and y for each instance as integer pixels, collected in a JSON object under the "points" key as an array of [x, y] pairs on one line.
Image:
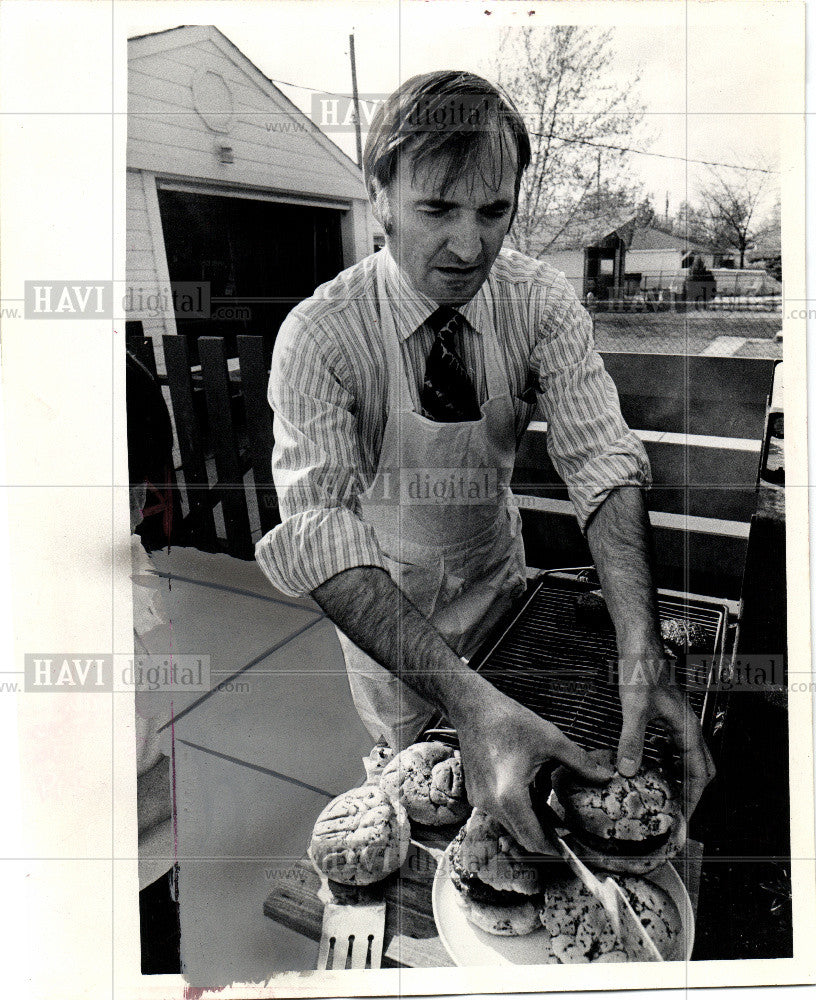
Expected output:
{"points": [[503, 744], [317, 464]]}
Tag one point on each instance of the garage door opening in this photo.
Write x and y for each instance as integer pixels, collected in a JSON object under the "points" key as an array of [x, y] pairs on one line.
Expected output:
{"points": [[260, 258]]}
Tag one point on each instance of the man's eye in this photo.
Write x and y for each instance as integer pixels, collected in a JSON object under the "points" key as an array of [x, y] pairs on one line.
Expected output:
{"points": [[435, 212], [495, 213]]}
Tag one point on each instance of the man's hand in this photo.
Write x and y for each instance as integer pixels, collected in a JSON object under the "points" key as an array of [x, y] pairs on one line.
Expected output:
{"points": [[647, 695], [503, 745], [619, 536]]}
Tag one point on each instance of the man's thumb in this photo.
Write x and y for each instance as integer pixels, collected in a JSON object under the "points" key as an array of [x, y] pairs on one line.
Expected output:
{"points": [[630, 745]]}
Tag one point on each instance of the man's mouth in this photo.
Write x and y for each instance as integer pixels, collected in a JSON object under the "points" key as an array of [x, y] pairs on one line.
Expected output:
{"points": [[458, 272]]}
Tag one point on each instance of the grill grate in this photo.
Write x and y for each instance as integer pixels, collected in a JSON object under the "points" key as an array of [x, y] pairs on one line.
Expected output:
{"points": [[567, 672]]}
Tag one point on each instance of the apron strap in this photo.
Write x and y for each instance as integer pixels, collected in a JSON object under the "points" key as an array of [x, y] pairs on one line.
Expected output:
{"points": [[399, 392], [496, 377]]}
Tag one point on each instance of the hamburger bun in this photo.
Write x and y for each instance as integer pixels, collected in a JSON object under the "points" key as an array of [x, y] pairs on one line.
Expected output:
{"points": [[578, 927], [580, 931], [427, 780], [514, 920], [497, 889], [360, 837], [630, 825], [487, 850], [657, 912]]}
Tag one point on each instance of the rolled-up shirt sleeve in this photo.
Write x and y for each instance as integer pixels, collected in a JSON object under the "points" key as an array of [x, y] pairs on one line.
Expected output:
{"points": [[589, 442], [316, 466]]}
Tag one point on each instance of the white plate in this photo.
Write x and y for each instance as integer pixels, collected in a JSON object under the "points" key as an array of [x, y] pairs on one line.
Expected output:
{"points": [[468, 945]]}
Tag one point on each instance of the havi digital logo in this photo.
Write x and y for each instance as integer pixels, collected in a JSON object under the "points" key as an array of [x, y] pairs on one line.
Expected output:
{"points": [[56, 672], [68, 300]]}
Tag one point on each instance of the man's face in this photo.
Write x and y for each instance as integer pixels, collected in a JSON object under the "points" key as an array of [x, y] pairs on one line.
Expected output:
{"points": [[446, 241]]}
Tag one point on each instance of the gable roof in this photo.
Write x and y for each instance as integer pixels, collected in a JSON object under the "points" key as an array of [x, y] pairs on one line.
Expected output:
{"points": [[591, 232], [190, 34], [588, 232], [654, 238]]}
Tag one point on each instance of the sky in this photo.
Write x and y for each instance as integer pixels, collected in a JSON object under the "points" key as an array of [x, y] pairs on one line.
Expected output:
{"points": [[704, 75]]}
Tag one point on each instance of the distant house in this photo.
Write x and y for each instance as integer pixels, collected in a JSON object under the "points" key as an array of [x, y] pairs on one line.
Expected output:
{"points": [[229, 184], [655, 255], [590, 254], [614, 260]]}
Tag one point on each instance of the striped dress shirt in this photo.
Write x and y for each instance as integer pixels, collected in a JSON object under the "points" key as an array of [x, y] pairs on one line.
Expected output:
{"points": [[328, 390]]}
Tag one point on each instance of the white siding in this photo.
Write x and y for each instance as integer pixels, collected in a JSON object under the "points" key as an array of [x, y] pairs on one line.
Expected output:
{"points": [[571, 262], [274, 146], [145, 261], [653, 262], [276, 150]]}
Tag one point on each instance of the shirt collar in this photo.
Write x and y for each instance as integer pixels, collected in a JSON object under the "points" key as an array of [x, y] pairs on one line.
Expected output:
{"points": [[411, 308]]}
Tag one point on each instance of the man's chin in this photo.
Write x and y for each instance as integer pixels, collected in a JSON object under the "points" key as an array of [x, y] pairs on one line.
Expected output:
{"points": [[452, 289]]}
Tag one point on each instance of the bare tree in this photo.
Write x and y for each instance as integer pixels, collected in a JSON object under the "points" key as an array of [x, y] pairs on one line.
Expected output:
{"points": [[730, 209], [575, 109], [691, 222]]}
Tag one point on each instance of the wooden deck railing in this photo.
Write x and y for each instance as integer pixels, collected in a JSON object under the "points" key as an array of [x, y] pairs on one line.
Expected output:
{"points": [[700, 419]]}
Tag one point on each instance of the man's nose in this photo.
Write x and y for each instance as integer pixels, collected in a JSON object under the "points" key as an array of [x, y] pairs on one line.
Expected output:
{"points": [[465, 241]]}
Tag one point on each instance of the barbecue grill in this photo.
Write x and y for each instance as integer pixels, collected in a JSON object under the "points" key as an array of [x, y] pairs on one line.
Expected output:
{"points": [[544, 657]]}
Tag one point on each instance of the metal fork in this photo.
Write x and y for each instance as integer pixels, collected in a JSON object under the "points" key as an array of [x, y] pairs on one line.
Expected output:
{"points": [[352, 933], [352, 936]]}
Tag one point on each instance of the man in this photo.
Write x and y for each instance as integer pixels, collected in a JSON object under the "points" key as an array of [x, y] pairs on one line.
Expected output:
{"points": [[400, 390]]}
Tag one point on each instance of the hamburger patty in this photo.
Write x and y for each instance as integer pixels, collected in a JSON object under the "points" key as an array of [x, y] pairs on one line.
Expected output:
{"points": [[624, 848], [683, 636], [470, 885]]}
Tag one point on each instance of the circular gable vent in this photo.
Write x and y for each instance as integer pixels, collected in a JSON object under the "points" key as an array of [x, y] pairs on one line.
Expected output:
{"points": [[212, 99]]}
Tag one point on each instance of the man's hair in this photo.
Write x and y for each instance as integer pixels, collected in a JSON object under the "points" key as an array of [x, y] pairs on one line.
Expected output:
{"points": [[454, 119]]}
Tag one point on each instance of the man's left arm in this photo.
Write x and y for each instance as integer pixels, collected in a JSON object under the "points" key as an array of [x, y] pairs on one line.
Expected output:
{"points": [[605, 468], [619, 536]]}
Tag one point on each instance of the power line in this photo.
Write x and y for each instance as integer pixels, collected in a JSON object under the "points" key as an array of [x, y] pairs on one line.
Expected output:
{"points": [[648, 152], [300, 86], [581, 142]]}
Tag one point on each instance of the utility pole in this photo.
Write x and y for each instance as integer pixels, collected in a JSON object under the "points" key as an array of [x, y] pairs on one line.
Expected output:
{"points": [[599, 180], [356, 98]]}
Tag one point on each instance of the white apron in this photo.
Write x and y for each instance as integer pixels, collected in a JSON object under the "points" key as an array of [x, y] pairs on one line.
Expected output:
{"points": [[441, 508]]}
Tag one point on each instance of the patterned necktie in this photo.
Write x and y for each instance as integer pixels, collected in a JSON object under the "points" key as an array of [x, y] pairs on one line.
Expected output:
{"points": [[448, 394]]}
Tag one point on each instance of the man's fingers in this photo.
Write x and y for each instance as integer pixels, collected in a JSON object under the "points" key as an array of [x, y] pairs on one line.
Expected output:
{"points": [[630, 744], [687, 735], [697, 774], [577, 759], [526, 829]]}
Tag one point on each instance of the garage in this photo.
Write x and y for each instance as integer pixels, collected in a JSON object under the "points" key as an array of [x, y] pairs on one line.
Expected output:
{"points": [[229, 184]]}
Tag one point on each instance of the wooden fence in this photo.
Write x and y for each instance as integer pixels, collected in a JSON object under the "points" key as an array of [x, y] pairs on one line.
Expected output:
{"points": [[223, 431]]}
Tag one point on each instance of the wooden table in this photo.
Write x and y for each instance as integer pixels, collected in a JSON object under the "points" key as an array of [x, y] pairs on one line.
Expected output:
{"points": [[411, 938]]}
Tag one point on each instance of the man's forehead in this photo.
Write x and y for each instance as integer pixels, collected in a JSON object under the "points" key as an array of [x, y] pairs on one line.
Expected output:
{"points": [[489, 176]]}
